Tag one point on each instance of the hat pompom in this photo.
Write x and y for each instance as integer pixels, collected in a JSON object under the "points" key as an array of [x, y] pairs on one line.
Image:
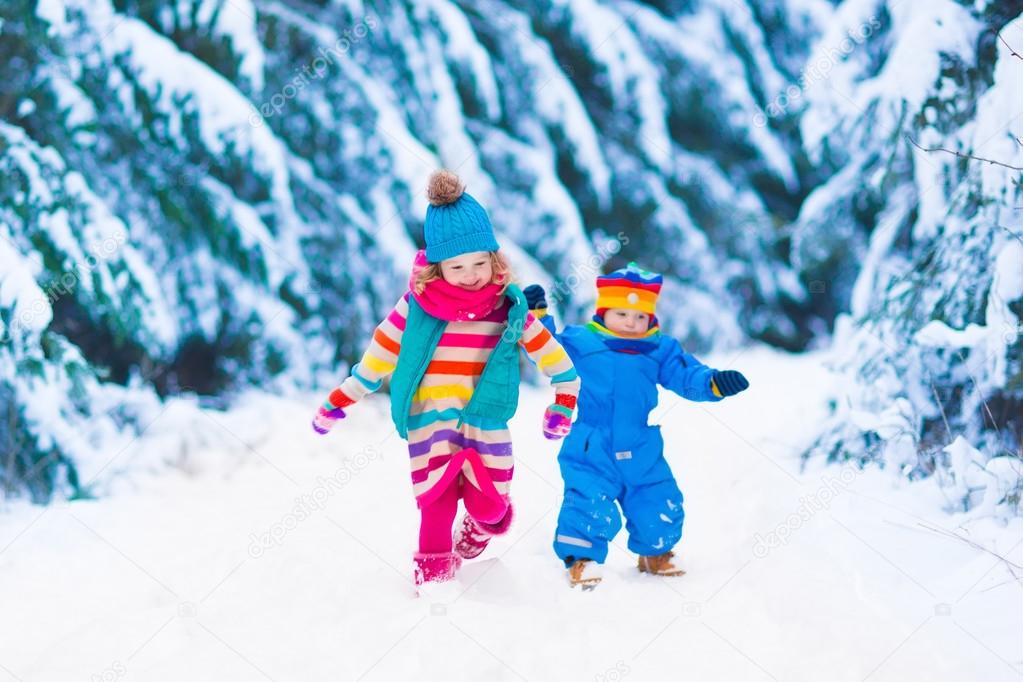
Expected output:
{"points": [[444, 188]]}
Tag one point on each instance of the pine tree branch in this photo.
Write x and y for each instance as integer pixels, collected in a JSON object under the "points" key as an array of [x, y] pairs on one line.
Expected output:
{"points": [[962, 155]]}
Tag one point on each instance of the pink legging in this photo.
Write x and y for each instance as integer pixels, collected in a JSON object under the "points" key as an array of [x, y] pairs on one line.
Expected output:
{"points": [[439, 516]]}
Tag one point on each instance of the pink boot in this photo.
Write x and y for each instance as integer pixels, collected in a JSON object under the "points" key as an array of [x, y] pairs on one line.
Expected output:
{"points": [[473, 536], [435, 568]]}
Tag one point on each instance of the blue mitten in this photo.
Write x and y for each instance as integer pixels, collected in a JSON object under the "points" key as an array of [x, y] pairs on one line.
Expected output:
{"points": [[728, 382], [535, 297]]}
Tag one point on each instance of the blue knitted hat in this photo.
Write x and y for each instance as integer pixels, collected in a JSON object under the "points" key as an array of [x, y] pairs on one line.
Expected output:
{"points": [[455, 222]]}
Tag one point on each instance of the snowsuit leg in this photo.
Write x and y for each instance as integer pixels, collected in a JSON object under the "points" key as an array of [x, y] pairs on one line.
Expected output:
{"points": [[589, 518], [654, 515], [652, 501]]}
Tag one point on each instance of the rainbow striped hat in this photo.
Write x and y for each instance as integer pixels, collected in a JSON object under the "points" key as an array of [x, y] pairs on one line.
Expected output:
{"points": [[631, 288]]}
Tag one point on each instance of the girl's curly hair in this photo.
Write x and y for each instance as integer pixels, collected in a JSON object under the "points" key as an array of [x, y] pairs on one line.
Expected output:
{"points": [[502, 273]]}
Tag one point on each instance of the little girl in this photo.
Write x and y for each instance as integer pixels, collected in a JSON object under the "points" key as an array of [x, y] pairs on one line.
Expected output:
{"points": [[613, 454], [451, 348]]}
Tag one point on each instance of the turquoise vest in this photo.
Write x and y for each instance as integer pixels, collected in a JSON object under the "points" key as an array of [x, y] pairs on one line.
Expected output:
{"points": [[496, 395]]}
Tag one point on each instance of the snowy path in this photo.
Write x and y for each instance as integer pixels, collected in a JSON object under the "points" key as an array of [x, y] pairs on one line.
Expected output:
{"points": [[164, 580]]}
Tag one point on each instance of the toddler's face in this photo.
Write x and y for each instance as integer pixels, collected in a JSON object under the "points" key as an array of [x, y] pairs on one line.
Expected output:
{"points": [[471, 271], [624, 321]]}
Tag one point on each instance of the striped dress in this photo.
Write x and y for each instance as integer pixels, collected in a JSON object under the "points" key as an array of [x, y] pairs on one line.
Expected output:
{"points": [[435, 440]]}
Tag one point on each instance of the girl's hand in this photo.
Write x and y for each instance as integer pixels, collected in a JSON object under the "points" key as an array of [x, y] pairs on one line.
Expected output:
{"points": [[557, 419], [728, 382], [325, 419], [555, 424]]}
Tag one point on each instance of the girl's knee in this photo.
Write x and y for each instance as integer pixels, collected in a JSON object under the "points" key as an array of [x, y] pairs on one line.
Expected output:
{"points": [[484, 508]]}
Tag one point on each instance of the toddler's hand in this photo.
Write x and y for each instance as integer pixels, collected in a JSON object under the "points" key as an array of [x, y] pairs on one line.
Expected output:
{"points": [[536, 299], [728, 382], [325, 419]]}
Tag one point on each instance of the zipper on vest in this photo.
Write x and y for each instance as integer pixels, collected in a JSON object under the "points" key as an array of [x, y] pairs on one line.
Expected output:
{"points": [[502, 344], [421, 370], [486, 368]]}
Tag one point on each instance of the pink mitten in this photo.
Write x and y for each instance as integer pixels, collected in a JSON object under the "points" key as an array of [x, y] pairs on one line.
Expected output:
{"points": [[325, 419], [557, 419]]}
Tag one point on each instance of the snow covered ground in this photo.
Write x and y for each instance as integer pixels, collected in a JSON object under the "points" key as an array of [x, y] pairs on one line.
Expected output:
{"points": [[271, 554]]}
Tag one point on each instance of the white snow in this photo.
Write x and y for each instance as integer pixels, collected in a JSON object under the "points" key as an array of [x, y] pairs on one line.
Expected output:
{"points": [[30, 310], [53, 12], [1001, 328], [275, 554], [937, 333]]}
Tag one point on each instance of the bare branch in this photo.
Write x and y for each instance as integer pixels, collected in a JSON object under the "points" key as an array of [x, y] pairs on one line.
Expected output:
{"points": [[949, 534], [962, 155], [1012, 52], [1014, 234]]}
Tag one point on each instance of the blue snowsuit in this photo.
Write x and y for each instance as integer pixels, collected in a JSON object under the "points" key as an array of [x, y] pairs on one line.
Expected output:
{"points": [[613, 454]]}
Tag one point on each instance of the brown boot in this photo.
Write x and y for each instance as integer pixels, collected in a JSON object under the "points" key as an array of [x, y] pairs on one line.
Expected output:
{"points": [[661, 564], [586, 573]]}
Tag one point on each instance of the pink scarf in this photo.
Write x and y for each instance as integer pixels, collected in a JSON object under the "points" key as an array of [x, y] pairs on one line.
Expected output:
{"points": [[453, 303]]}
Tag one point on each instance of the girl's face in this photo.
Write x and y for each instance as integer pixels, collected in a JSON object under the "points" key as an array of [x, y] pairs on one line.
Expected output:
{"points": [[625, 321], [471, 271]]}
